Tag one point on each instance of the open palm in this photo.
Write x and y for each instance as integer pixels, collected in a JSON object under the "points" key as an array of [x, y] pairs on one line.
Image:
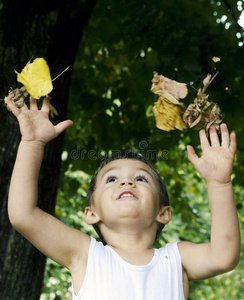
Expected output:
{"points": [[34, 123], [217, 158]]}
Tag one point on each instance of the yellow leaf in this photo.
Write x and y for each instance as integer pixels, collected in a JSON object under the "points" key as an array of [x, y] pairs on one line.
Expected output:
{"points": [[168, 115], [36, 78], [168, 110]]}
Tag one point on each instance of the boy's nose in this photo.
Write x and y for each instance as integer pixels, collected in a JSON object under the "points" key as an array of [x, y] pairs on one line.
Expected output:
{"points": [[127, 181]]}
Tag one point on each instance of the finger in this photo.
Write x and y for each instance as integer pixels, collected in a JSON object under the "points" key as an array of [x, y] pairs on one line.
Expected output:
{"points": [[213, 137], [225, 138], [233, 143], [33, 104], [11, 106], [204, 140], [192, 156], [60, 127], [24, 107], [45, 105]]}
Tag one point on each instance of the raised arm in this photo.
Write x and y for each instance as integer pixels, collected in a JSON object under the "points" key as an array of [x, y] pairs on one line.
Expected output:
{"points": [[48, 234], [222, 254]]}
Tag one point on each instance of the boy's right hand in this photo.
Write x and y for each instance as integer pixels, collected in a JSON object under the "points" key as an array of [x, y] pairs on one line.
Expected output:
{"points": [[63, 244], [35, 125]]}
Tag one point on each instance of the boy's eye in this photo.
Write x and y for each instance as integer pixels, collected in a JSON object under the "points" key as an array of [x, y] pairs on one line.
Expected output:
{"points": [[111, 179], [141, 178]]}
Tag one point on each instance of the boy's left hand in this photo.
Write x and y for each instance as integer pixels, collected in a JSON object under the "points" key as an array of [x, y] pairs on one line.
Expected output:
{"points": [[216, 162]]}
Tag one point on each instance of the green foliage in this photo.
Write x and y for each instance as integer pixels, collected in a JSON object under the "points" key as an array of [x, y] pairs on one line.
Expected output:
{"points": [[121, 47], [111, 106]]}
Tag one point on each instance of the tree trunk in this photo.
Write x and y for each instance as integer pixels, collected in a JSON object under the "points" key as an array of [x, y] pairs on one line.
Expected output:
{"points": [[31, 29]]}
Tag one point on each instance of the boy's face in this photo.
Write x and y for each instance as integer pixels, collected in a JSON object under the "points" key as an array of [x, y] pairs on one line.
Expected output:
{"points": [[127, 192]]}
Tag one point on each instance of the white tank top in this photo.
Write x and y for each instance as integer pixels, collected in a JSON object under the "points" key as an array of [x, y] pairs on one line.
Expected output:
{"points": [[109, 277]]}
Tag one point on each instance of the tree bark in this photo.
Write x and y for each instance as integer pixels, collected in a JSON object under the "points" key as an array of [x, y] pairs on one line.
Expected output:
{"points": [[31, 29]]}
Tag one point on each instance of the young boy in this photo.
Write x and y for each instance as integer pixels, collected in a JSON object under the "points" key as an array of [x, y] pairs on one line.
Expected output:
{"points": [[128, 204]]}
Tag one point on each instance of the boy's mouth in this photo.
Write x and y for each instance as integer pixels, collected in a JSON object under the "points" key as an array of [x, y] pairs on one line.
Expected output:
{"points": [[126, 194]]}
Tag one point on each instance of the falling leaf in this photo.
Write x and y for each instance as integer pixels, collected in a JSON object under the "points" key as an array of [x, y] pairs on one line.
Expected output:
{"points": [[162, 85], [202, 113], [171, 114], [215, 59], [36, 78], [168, 115], [168, 110], [206, 82]]}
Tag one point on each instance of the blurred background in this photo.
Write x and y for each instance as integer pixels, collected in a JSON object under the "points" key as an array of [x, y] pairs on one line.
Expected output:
{"points": [[113, 48]]}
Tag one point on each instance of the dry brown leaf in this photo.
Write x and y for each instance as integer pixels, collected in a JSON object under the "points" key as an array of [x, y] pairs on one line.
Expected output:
{"points": [[202, 113], [171, 114], [53, 110], [203, 118], [163, 84], [206, 82], [17, 96]]}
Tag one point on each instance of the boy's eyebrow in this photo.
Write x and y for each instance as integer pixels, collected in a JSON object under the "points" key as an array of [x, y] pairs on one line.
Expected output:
{"points": [[142, 169], [147, 171], [110, 169]]}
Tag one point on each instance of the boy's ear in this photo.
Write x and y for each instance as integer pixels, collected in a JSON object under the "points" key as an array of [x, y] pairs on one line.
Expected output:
{"points": [[164, 215], [90, 216]]}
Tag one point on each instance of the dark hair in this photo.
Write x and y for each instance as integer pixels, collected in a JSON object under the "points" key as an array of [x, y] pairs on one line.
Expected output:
{"points": [[163, 197]]}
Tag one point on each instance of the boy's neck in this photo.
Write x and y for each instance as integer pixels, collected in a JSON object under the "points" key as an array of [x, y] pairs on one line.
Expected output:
{"points": [[134, 249], [130, 241]]}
